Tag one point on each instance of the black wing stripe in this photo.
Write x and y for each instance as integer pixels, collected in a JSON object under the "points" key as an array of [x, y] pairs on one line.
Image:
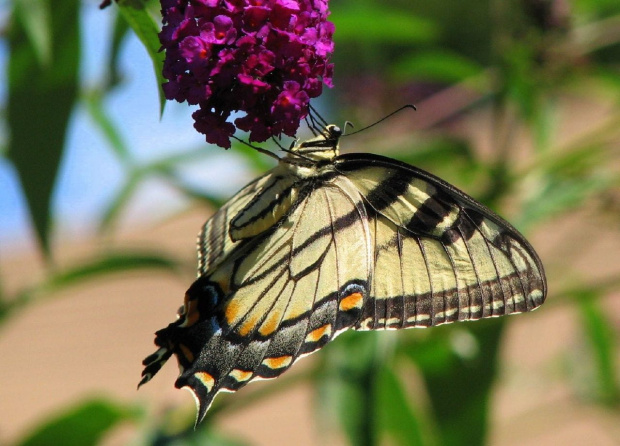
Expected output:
{"points": [[266, 208], [389, 190], [341, 223], [430, 214]]}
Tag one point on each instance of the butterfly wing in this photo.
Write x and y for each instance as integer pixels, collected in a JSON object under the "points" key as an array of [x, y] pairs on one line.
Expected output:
{"points": [[439, 256], [275, 297], [367, 243], [214, 241], [214, 245]]}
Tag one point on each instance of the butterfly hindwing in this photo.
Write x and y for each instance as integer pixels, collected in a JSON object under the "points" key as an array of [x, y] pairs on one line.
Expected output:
{"points": [[214, 242], [275, 297]]}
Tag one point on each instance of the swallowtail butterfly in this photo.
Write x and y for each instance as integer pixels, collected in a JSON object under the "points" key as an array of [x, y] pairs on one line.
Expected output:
{"points": [[325, 242]]}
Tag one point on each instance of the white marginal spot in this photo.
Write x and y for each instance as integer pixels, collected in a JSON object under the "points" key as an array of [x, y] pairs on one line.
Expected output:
{"points": [[393, 321], [536, 296], [452, 312], [447, 313], [418, 318], [518, 298], [365, 324]]}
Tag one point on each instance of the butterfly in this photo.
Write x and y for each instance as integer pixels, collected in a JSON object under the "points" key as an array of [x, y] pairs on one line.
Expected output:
{"points": [[325, 242]]}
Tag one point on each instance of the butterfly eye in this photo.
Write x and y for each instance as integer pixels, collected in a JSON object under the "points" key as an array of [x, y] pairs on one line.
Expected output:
{"points": [[334, 131]]}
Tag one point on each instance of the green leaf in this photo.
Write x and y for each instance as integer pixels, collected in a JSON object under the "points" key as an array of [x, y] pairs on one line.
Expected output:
{"points": [[120, 32], [555, 197], [164, 167], [449, 158], [41, 98], [94, 102], [35, 18], [439, 66], [459, 367], [204, 435], [136, 13], [346, 387], [564, 181], [363, 23], [601, 335], [395, 413], [82, 425], [114, 208]]}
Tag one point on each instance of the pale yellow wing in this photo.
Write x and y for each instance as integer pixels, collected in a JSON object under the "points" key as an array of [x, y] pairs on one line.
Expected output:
{"points": [[277, 296], [214, 241], [438, 255]]}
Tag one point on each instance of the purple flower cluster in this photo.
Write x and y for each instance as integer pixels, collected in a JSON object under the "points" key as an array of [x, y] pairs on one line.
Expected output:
{"points": [[266, 58]]}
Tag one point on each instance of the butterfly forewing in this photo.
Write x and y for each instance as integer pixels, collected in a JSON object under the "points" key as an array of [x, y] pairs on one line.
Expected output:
{"points": [[439, 255], [214, 241], [323, 243]]}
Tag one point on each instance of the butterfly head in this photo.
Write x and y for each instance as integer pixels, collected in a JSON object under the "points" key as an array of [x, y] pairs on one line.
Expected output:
{"points": [[321, 148]]}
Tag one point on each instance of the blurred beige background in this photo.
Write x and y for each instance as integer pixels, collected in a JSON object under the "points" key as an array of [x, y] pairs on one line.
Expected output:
{"points": [[91, 340]]}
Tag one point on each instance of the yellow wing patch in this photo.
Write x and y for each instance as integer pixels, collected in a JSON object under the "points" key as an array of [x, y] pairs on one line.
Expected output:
{"points": [[240, 375]]}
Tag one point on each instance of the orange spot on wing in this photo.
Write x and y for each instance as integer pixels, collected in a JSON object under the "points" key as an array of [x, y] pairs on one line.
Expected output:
{"points": [[231, 313], [278, 362], [248, 325], [270, 325], [351, 301], [317, 334], [206, 379]]}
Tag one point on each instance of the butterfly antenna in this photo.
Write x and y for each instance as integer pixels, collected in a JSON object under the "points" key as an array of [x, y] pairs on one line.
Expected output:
{"points": [[310, 122], [411, 106], [347, 124], [315, 113], [289, 150], [277, 141], [318, 122], [258, 149]]}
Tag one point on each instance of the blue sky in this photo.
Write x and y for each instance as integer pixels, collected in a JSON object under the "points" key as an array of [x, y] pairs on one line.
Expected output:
{"points": [[90, 174]]}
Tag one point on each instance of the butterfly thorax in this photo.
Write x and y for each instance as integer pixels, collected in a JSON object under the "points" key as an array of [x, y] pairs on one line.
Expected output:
{"points": [[314, 152]]}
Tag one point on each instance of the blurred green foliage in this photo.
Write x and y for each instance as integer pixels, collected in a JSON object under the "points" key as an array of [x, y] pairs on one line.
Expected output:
{"points": [[518, 61]]}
